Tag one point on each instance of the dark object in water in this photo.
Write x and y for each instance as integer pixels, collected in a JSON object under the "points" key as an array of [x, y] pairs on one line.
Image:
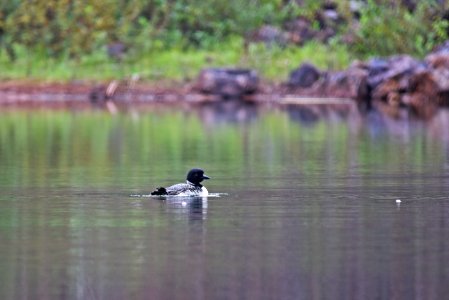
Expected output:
{"points": [[227, 83]]}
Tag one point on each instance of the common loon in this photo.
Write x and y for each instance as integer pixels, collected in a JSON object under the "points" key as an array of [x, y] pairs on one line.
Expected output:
{"points": [[192, 187]]}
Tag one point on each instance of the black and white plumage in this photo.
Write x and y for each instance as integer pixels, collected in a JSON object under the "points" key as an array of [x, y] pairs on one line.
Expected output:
{"points": [[192, 187]]}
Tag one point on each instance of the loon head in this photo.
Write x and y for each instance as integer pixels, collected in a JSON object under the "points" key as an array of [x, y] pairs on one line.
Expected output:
{"points": [[195, 176]]}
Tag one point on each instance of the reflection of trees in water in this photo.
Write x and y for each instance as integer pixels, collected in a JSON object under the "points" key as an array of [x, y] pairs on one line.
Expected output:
{"points": [[54, 148], [438, 129], [302, 114], [404, 130], [229, 111], [312, 114]]}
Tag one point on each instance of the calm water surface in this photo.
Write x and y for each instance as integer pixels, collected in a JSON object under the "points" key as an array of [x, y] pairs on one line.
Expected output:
{"points": [[309, 208]]}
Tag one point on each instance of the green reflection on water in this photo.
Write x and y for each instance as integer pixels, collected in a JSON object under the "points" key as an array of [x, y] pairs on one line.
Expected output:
{"points": [[96, 149]]}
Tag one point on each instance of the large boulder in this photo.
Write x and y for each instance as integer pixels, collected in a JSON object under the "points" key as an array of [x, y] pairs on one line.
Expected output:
{"points": [[422, 94], [438, 60], [390, 88], [398, 83], [432, 86], [308, 81], [396, 67], [227, 82], [351, 83], [404, 82], [304, 76], [441, 79]]}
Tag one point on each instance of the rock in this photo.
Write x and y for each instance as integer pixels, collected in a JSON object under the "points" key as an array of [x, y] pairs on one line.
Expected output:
{"points": [[441, 78], [300, 31], [423, 82], [377, 66], [438, 60], [399, 65], [356, 7], [391, 85], [404, 82], [422, 91], [227, 83], [351, 83], [328, 16], [398, 85], [116, 50], [331, 14], [434, 84], [269, 35], [304, 76]]}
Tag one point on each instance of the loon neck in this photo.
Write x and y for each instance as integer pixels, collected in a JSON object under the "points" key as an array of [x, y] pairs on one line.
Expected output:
{"points": [[194, 184]]}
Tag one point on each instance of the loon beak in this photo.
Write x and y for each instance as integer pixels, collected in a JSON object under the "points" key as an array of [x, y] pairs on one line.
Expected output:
{"points": [[205, 176]]}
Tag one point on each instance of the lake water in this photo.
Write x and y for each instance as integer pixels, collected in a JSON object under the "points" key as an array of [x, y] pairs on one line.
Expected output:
{"points": [[306, 208]]}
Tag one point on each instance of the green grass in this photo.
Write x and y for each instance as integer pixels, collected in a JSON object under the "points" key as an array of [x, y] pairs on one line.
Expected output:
{"points": [[272, 63]]}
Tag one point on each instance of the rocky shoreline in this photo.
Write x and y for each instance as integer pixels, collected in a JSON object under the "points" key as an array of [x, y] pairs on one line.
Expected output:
{"points": [[392, 85], [398, 86]]}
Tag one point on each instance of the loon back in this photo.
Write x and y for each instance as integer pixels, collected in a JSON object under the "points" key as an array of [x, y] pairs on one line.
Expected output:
{"points": [[182, 189]]}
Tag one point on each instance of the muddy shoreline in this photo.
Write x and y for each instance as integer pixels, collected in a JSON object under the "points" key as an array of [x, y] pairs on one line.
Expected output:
{"points": [[81, 95], [17, 93]]}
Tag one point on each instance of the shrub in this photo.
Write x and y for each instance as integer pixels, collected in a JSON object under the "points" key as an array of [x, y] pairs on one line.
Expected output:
{"points": [[387, 29]]}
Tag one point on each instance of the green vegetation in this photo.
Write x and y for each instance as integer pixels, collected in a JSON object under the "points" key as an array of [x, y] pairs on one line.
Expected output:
{"points": [[165, 39], [178, 64], [386, 29]]}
